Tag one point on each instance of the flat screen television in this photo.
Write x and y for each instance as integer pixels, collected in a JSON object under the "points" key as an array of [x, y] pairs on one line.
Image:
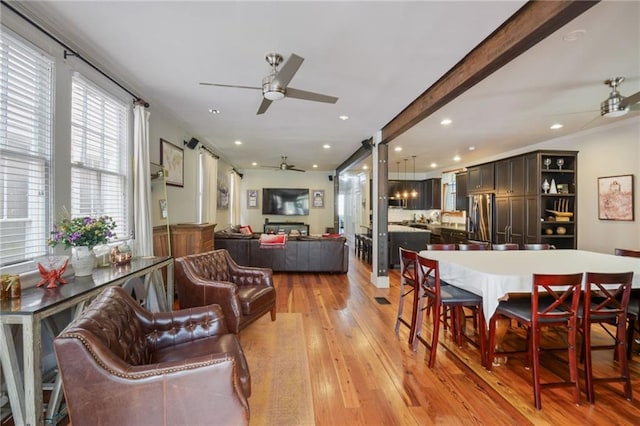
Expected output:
{"points": [[285, 201]]}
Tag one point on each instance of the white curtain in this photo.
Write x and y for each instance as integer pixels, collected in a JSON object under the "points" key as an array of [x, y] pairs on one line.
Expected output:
{"points": [[207, 187], [235, 198], [142, 205], [142, 183]]}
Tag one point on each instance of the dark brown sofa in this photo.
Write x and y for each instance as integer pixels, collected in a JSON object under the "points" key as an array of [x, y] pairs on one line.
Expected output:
{"points": [[244, 294], [122, 365], [301, 254]]}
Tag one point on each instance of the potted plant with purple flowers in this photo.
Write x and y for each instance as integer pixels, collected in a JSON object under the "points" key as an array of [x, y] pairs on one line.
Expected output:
{"points": [[82, 234]]}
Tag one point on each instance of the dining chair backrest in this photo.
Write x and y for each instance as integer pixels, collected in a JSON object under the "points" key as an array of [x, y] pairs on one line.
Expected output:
{"points": [[562, 298], [441, 246], [542, 246], [627, 252], [429, 277], [507, 246], [408, 265], [473, 246], [609, 302]]}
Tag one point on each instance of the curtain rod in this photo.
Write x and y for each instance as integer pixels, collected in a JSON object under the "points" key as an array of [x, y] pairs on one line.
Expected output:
{"points": [[202, 147], [137, 100]]}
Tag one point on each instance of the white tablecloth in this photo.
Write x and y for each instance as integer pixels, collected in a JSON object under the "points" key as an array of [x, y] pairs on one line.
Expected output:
{"points": [[495, 274]]}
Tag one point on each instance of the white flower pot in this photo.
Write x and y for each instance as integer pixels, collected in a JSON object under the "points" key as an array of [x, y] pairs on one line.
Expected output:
{"points": [[83, 261]]}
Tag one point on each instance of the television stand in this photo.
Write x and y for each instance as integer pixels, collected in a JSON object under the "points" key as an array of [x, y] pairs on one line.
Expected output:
{"points": [[286, 228]]}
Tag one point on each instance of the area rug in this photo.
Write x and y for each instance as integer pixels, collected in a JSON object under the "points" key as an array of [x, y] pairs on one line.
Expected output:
{"points": [[280, 380]]}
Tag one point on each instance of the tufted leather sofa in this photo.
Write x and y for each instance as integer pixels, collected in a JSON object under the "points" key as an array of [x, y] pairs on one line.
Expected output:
{"points": [[244, 293], [123, 365]]}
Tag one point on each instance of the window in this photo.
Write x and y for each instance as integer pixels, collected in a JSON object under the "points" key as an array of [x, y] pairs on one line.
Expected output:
{"points": [[99, 155], [26, 114]]}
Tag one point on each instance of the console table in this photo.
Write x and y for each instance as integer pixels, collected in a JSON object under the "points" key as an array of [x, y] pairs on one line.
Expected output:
{"points": [[38, 305], [286, 227]]}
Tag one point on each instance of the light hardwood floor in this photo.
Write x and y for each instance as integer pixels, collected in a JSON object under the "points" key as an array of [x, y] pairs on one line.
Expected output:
{"points": [[360, 373]]}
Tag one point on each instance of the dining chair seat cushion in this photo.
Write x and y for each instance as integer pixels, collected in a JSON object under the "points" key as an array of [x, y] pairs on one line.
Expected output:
{"points": [[520, 308], [455, 295]]}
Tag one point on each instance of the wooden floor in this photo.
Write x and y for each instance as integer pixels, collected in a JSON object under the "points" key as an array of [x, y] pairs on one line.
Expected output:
{"points": [[360, 373]]}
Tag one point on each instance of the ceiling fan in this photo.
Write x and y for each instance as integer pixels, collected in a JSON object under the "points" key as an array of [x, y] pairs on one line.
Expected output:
{"points": [[617, 105], [286, 167], [274, 86]]}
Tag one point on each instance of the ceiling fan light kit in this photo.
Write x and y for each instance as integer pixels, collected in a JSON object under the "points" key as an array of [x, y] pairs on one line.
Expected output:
{"points": [[614, 105]]}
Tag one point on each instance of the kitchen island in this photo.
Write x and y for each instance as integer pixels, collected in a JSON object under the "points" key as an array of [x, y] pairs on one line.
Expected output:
{"points": [[407, 237]]}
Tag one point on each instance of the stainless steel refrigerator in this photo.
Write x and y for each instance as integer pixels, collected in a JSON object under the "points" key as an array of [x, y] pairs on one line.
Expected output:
{"points": [[480, 217]]}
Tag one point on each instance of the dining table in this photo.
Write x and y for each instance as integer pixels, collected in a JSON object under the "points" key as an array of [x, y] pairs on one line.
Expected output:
{"points": [[495, 275]]}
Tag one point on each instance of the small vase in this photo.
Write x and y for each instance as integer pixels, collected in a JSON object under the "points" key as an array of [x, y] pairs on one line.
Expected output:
{"points": [[545, 186], [83, 261]]}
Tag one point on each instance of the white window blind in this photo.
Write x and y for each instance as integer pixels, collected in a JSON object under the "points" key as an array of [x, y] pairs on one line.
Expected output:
{"points": [[99, 155], [26, 114]]}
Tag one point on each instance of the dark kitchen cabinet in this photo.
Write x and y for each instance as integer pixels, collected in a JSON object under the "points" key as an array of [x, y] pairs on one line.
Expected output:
{"points": [[509, 214], [510, 176], [431, 194], [480, 178], [462, 202]]}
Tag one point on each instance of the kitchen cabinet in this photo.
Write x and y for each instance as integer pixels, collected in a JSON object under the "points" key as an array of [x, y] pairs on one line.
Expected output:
{"points": [[544, 226], [431, 194], [415, 240], [510, 176], [480, 178], [462, 202], [509, 215]]}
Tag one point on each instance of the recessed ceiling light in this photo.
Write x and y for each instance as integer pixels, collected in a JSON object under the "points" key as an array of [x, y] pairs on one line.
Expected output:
{"points": [[238, 142], [397, 149], [433, 165], [574, 35], [456, 158], [446, 122], [556, 126], [472, 148], [214, 111], [315, 166], [344, 117], [254, 164], [326, 146]]}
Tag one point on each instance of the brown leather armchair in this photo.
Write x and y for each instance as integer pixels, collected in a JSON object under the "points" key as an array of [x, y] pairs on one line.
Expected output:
{"points": [[244, 293], [123, 365]]}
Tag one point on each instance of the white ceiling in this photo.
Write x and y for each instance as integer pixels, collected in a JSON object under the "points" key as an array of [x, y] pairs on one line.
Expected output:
{"points": [[376, 57]]}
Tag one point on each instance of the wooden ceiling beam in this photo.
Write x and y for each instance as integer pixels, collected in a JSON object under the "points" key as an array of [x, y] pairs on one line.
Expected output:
{"points": [[532, 23]]}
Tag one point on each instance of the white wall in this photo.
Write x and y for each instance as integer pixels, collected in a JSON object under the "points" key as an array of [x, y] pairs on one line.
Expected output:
{"points": [[318, 218]]}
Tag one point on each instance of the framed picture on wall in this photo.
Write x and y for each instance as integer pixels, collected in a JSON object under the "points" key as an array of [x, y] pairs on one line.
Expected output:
{"points": [[615, 198], [317, 197], [172, 159], [252, 198]]}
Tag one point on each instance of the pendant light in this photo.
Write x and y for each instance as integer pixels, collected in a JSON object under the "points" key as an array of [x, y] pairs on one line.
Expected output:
{"points": [[414, 193], [405, 194], [398, 177]]}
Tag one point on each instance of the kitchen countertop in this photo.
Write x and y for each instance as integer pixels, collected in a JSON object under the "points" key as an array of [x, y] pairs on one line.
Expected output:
{"points": [[403, 228]]}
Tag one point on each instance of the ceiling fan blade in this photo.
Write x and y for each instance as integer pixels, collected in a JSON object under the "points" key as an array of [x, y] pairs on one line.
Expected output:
{"points": [[296, 170], [309, 96], [263, 106], [288, 70], [231, 85], [631, 100]]}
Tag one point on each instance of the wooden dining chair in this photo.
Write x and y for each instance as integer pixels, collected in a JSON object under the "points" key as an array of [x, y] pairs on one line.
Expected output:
{"points": [[439, 298], [606, 298], [441, 246], [633, 310], [542, 246], [506, 246], [473, 246], [409, 287], [553, 303]]}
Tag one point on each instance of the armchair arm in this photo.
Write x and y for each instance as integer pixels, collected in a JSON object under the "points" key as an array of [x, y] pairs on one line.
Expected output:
{"points": [[165, 329], [181, 388], [249, 275]]}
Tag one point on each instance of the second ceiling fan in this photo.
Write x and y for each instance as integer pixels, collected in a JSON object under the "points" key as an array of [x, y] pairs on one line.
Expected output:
{"points": [[275, 85]]}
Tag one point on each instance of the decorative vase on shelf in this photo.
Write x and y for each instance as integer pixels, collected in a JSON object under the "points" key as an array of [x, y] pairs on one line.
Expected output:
{"points": [[83, 261], [553, 189], [545, 186]]}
